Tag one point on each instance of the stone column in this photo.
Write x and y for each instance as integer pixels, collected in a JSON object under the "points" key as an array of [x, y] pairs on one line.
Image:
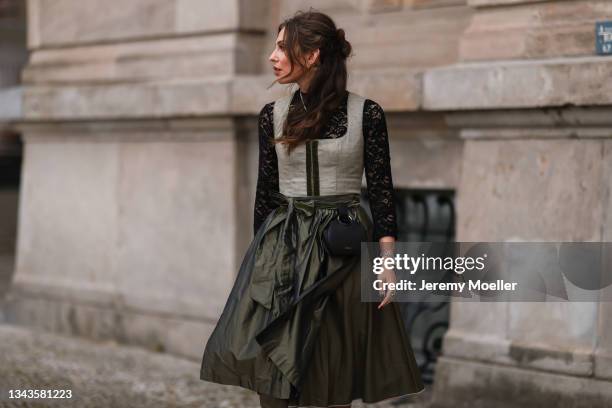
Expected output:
{"points": [[134, 209], [537, 135]]}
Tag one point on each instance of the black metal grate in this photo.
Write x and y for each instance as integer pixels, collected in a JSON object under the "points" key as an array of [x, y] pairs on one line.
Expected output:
{"points": [[10, 171], [10, 159]]}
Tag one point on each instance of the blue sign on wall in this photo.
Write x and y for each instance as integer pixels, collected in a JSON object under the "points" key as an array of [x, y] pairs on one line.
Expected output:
{"points": [[603, 33]]}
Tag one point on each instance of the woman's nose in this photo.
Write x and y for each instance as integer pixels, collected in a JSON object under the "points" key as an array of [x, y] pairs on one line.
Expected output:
{"points": [[272, 56]]}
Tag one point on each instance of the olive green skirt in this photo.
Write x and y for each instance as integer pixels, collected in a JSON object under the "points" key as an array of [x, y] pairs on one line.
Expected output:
{"points": [[294, 326]]}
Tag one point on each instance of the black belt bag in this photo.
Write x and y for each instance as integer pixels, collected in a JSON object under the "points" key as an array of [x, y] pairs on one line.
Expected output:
{"points": [[344, 234]]}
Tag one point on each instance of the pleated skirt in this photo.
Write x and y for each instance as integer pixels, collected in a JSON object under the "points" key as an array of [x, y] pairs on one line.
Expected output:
{"points": [[294, 326]]}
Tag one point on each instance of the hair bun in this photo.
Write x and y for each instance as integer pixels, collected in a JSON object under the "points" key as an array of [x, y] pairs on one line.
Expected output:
{"points": [[344, 47], [340, 34]]}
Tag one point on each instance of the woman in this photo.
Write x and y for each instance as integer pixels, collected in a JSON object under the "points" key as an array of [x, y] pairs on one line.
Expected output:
{"points": [[294, 328]]}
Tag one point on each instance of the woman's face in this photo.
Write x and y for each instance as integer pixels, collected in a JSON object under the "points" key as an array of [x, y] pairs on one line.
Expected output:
{"points": [[281, 64]]}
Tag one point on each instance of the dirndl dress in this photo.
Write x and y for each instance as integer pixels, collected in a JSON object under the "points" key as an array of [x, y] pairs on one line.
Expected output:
{"points": [[294, 326]]}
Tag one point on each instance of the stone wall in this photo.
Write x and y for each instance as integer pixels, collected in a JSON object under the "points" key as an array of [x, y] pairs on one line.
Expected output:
{"points": [[141, 155], [132, 214], [141, 151], [534, 108]]}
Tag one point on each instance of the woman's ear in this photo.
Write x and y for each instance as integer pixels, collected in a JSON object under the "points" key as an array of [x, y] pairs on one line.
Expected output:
{"points": [[313, 58]]}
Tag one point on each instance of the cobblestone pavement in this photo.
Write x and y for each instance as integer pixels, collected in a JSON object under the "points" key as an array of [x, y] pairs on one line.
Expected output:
{"points": [[111, 375]]}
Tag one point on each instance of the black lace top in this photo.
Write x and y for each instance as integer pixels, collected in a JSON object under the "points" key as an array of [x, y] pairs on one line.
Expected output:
{"points": [[377, 163]]}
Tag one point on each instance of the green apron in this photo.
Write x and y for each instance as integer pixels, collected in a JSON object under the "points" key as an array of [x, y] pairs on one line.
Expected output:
{"points": [[276, 304], [266, 335]]}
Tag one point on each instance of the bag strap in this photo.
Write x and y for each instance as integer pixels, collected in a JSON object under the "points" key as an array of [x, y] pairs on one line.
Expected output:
{"points": [[344, 215]]}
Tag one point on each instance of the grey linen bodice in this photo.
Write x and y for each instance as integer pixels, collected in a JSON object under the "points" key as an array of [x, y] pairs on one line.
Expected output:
{"points": [[353, 140], [321, 166]]}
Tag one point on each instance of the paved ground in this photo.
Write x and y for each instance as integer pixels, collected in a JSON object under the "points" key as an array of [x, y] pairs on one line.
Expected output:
{"points": [[111, 375]]}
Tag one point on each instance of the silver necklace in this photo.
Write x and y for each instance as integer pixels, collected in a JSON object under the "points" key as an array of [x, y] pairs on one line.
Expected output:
{"points": [[303, 104]]}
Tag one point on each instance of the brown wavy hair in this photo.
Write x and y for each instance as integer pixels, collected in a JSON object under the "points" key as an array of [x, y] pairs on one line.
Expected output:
{"points": [[307, 31]]}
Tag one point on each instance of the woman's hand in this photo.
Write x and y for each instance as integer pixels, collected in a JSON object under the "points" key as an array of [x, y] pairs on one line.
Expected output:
{"points": [[387, 276], [387, 249]]}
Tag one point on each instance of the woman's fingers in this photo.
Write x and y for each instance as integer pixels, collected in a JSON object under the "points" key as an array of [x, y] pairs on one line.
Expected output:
{"points": [[388, 276], [387, 298]]}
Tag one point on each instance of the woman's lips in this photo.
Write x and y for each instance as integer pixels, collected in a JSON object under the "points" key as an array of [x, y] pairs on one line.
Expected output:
{"points": [[276, 71]]}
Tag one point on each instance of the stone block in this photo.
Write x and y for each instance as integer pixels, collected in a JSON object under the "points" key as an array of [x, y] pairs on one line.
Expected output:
{"points": [[531, 190], [425, 162], [478, 323], [410, 39], [67, 215], [68, 22], [393, 90], [528, 29], [137, 100], [118, 221], [156, 332], [476, 385], [476, 345], [177, 225], [568, 348], [197, 15], [200, 57], [382, 6], [575, 324], [531, 84]]}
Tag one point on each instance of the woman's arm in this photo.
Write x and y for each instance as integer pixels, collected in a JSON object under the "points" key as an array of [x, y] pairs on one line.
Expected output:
{"points": [[267, 174], [377, 163]]}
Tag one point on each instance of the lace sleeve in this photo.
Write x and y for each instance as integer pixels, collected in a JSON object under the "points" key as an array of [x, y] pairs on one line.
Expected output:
{"points": [[267, 174], [377, 163]]}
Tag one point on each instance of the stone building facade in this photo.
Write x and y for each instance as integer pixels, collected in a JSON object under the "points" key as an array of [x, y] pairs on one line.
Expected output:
{"points": [[138, 124]]}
